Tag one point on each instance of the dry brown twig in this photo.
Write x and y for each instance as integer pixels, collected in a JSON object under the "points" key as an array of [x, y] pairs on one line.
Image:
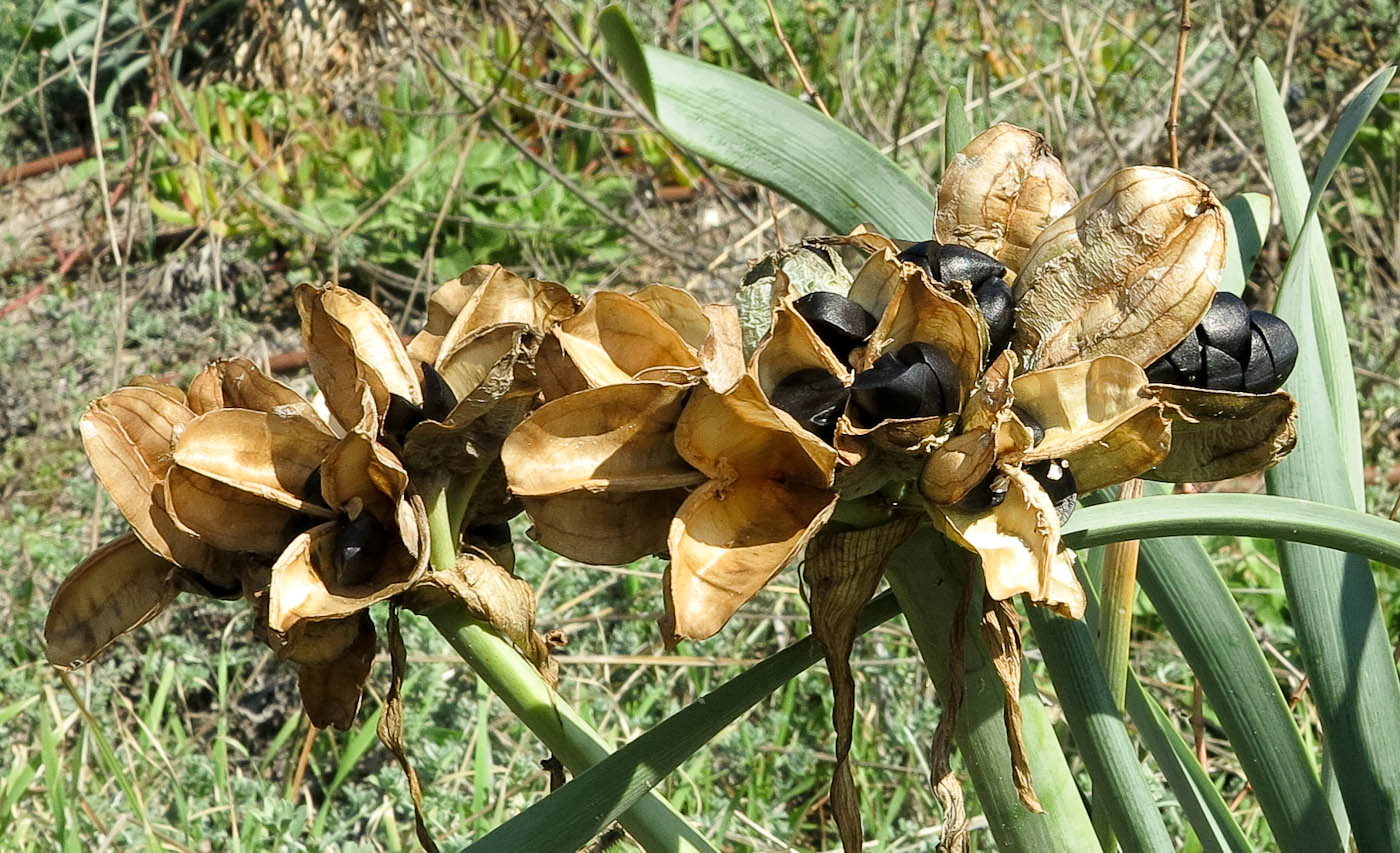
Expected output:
{"points": [[1175, 111]]}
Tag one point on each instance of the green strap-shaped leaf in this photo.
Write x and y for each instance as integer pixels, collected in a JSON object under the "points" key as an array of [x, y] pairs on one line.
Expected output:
{"points": [[1332, 596], [1194, 603], [1120, 788], [957, 130], [1248, 214], [568, 818], [774, 139]]}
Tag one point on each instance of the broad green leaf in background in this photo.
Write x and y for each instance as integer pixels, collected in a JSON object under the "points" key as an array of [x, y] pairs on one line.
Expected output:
{"points": [[1248, 214], [957, 130], [1203, 618], [772, 138], [581, 809], [1332, 596]]}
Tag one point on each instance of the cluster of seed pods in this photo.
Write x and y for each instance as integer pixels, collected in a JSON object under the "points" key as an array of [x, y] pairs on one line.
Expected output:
{"points": [[1232, 349]]}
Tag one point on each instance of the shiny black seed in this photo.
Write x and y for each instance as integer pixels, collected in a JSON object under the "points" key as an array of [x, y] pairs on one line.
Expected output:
{"points": [[959, 263], [924, 254], [840, 323], [489, 535], [918, 352], [401, 417], [1226, 326], [1222, 372], [998, 309], [1055, 478], [1037, 431], [311, 489], [438, 399], [1283, 347], [1259, 370], [1165, 372], [987, 494], [814, 397], [1188, 360], [359, 549], [892, 389]]}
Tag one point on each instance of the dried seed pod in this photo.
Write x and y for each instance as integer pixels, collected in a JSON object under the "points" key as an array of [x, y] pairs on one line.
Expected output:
{"points": [[1222, 371], [987, 494], [1225, 327], [840, 323], [438, 399], [1001, 191], [1281, 352], [998, 309], [959, 263], [814, 397], [1057, 481]]}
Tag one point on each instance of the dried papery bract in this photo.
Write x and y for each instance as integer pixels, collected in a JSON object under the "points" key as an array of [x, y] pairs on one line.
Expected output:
{"points": [[1220, 434], [1128, 271], [617, 339], [237, 383], [115, 590], [486, 296], [768, 490], [1000, 192]]}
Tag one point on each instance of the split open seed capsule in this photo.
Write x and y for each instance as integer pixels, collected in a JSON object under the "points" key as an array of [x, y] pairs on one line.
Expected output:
{"points": [[814, 397], [840, 323]]}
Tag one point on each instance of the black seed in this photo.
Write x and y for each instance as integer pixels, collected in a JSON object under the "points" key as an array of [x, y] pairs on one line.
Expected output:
{"points": [[1283, 347], [1037, 431], [1055, 478], [959, 263], [1188, 360], [840, 323], [922, 254], [1222, 372], [987, 494], [311, 489], [489, 535], [401, 417], [359, 549], [1226, 326], [438, 399], [998, 309], [1165, 372], [1259, 370], [814, 397], [891, 389], [918, 352]]}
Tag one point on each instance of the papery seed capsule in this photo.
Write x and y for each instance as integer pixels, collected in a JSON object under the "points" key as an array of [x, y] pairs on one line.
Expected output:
{"points": [[814, 398], [1222, 372], [1225, 326], [1054, 477], [1029, 422], [924, 254], [840, 323], [311, 489], [919, 352], [438, 399], [359, 545], [1283, 347], [959, 263], [998, 309], [402, 416], [988, 494]]}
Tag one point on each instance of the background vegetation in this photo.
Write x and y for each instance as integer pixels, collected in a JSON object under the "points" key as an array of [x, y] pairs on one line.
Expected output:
{"points": [[227, 152]]}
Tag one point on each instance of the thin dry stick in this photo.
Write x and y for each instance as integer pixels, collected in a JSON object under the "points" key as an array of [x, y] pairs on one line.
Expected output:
{"points": [[1175, 110], [1198, 725], [299, 775], [797, 66]]}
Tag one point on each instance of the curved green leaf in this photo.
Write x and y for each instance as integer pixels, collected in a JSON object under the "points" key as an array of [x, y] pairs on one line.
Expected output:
{"points": [[777, 140], [957, 130], [569, 817]]}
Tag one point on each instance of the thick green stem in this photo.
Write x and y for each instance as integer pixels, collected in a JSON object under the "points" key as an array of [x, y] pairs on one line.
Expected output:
{"points": [[927, 578], [652, 821]]}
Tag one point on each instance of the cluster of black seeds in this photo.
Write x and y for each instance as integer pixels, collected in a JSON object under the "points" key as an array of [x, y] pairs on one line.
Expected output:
{"points": [[947, 263], [1052, 475], [1233, 349], [438, 403], [919, 381]]}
